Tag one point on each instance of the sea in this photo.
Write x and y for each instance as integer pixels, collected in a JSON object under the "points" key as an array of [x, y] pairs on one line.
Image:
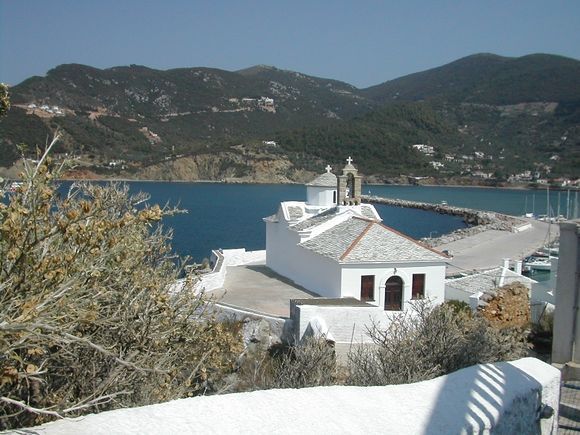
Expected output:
{"points": [[230, 215]]}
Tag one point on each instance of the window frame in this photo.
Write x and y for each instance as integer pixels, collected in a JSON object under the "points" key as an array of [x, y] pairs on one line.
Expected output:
{"points": [[372, 294], [415, 295]]}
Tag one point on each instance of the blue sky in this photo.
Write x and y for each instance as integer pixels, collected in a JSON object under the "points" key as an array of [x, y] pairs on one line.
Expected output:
{"points": [[360, 42]]}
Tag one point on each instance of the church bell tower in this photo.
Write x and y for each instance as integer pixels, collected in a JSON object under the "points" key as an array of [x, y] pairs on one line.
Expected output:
{"points": [[349, 185]]}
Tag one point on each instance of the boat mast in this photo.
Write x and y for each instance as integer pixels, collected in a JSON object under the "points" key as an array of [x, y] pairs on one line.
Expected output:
{"points": [[548, 202], [548, 212]]}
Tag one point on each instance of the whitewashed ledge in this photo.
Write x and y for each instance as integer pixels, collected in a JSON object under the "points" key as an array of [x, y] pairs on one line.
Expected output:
{"points": [[501, 398], [222, 259]]}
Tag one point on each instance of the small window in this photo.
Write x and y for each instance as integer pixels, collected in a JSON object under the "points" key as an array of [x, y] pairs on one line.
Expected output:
{"points": [[367, 288], [334, 197], [418, 286]]}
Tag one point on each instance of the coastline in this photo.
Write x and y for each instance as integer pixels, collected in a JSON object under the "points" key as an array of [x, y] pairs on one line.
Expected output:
{"points": [[517, 187]]}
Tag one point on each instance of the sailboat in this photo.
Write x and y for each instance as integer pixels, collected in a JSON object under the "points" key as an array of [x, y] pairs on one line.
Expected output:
{"points": [[542, 259]]}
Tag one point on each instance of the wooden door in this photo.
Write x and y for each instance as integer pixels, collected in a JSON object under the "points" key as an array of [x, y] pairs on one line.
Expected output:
{"points": [[367, 288], [394, 294]]}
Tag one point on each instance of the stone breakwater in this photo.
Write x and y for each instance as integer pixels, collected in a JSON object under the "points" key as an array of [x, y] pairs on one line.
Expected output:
{"points": [[478, 221]]}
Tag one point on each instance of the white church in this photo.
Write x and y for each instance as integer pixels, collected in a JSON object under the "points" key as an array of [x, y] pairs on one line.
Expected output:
{"points": [[336, 247]]}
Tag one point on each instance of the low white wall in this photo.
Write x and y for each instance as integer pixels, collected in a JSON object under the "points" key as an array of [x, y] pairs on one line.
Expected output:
{"points": [[345, 324], [501, 398], [238, 257], [231, 257], [456, 294]]}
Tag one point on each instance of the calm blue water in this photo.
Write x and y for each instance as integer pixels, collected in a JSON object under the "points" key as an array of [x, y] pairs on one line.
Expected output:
{"points": [[509, 201], [230, 215]]}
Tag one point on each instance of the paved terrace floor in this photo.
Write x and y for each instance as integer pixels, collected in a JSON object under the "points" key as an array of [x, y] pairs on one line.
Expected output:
{"points": [[487, 249], [258, 288]]}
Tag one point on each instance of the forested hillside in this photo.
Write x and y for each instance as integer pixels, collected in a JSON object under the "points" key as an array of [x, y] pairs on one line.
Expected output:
{"points": [[484, 115]]}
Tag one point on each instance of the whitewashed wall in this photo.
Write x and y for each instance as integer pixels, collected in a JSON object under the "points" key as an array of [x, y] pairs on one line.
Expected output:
{"points": [[322, 196], [313, 272], [231, 257], [500, 398], [345, 324], [456, 294], [434, 280]]}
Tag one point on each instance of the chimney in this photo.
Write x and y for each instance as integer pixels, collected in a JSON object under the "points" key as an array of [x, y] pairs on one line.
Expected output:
{"points": [[506, 263], [519, 267]]}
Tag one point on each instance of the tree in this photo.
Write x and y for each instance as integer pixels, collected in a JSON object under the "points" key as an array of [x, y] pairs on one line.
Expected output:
{"points": [[4, 100], [90, 314]]}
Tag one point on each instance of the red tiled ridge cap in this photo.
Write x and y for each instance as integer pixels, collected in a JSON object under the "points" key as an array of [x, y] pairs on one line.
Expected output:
{"points": [[371, 222], [358, 239]]}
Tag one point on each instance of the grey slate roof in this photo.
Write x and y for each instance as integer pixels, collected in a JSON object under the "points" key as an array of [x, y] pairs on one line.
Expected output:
{"points": [[315, 220], [295, 212], [359, 240], [328, 179], [367, 211], [486, 282]]}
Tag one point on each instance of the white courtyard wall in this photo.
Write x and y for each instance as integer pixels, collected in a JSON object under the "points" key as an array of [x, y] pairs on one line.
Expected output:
{"points": [[346, 325], [456, 294], [279, 243], [499, 398], [434, 280]]}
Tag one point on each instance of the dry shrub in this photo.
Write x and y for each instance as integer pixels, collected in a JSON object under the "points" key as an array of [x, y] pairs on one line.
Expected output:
{"points": [[86, 320], [311, 363], [508, 307], [427, 342]]}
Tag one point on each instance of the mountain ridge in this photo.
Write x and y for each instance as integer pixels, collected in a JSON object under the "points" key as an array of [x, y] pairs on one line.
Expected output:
{"points": [[147, 115]]}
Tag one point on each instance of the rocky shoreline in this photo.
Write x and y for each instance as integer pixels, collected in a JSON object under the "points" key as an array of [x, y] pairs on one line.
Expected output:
{"points": [[478, 221]]}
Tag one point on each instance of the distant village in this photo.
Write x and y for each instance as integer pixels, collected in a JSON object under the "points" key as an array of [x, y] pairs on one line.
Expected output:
{"points": [[50, 110], [470, 165]]}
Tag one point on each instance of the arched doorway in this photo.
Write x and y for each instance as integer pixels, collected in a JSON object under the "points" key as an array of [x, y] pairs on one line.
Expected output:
{"points": [[394, 294]]}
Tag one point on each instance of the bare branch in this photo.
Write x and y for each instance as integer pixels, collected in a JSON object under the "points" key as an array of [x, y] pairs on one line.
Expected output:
{"points": [[29, 408]]}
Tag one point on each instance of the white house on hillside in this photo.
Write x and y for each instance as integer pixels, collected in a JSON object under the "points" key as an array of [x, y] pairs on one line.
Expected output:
{"points": [[337, 247]]}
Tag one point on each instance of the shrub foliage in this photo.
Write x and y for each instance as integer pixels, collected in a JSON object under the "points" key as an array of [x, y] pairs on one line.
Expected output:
{"points": [[88, 320], [427, 342]]}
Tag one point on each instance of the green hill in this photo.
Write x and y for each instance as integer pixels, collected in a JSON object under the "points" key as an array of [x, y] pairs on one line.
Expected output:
{"points": [[521, 113], [188, 109], [488, 79]]}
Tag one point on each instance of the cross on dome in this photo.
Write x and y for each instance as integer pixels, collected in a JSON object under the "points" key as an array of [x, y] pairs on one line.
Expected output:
{"points": [[328, 168], [349, 160]]}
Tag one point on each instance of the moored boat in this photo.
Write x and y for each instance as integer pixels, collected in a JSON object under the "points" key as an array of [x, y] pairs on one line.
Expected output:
{"points": [[537, 263]]}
